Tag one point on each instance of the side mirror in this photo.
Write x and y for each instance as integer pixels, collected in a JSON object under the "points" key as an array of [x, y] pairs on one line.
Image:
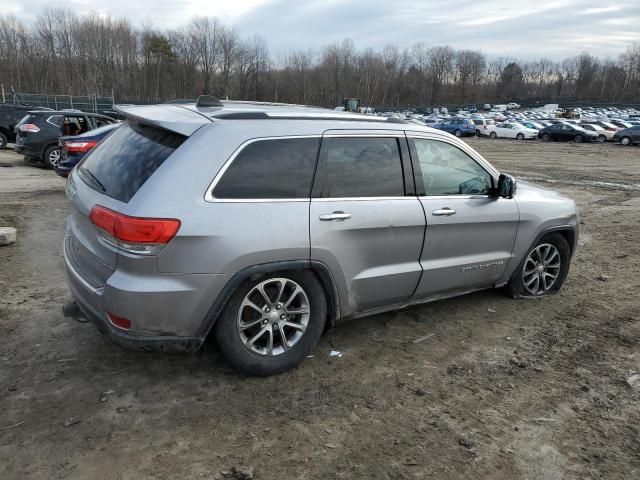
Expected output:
{"points": [[506, 186]]}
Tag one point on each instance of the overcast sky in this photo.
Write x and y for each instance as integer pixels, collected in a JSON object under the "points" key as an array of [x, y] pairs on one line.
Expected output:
{"points": [[523, 28]]}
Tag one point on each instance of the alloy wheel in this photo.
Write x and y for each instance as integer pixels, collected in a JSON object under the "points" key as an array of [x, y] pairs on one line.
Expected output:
{"points": [[273, 316], [541, 269], [54, 157]]}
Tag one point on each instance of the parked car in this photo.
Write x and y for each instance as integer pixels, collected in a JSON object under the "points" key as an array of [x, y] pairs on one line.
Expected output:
{"points": [[608, 126], [604, 135], [10, 115], [620, 123], [38, 132], [457, 126], [513, 130], [628, 136], [565, 132], [484, 126], [74, 148], [208, 218]]}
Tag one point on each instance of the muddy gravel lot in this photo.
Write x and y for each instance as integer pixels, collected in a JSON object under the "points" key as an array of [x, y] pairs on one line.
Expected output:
{"points": [[481, 387]]}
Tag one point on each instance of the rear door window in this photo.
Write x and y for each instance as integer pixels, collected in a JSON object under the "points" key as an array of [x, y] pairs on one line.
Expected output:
{"points": [[270, 169], [362, 167], [125, 160], [75, 125]]}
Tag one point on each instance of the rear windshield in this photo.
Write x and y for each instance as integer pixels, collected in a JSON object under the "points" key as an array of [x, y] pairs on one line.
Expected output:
{"points": [[120, 165]]}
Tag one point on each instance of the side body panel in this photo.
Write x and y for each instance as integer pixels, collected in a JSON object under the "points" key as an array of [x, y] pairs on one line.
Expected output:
{"points": [[374, 253]]}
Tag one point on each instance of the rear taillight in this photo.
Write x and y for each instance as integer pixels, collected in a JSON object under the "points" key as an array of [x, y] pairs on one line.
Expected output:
{"points": [[80, 146], [29, 127], [119, 322], [144, 236]]}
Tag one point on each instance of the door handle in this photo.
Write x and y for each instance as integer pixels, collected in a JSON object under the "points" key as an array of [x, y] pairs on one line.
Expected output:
{"points": [[327, 217], [443, 212]]}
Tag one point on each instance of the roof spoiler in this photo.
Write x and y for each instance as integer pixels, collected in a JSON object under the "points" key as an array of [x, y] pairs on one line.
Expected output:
{"points": [[174, 118], [208, 101]]}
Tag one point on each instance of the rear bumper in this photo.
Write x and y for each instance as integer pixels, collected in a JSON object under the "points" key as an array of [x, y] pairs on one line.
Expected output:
{"points": [[94, 303], [27, 150]]}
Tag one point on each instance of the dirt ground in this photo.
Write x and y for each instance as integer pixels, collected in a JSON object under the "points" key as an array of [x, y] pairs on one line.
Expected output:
{"points": [[481, 387]]}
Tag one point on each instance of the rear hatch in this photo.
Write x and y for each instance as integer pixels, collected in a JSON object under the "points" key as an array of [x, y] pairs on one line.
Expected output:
{"points": [[109, 176]]}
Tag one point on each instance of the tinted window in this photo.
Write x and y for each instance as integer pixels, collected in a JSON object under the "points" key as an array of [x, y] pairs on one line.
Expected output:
{"points": [[281, 168], [56, 120], [478, 122], [101, 122], [447, 170], [362, 167], [121, 164]]}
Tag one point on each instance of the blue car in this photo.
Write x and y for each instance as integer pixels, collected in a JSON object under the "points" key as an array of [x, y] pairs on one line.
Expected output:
{"points": [[457, 126], [73, 148]]}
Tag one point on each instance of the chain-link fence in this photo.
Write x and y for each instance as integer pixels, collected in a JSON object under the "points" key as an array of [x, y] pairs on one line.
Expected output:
{"points": [[88, 103]]}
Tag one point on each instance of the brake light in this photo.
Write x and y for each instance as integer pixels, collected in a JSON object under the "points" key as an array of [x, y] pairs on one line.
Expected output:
{"points": [[146, 236], [120, 322], [29, 127], [80, 146]]}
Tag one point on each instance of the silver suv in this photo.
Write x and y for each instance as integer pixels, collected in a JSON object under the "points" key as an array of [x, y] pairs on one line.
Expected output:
{"points": [[262, 224]]}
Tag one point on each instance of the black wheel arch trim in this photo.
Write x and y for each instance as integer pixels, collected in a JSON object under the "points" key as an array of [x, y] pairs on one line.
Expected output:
{"points": [[322, 271]]}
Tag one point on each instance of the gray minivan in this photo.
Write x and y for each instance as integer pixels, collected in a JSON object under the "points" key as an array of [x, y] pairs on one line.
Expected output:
{"points": [[264, 223]]}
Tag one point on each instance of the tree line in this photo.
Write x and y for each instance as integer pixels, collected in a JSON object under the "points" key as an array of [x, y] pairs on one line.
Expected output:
{"points": [[62, 53]]}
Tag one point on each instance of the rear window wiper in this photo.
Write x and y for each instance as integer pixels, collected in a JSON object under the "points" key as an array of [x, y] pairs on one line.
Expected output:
{"points": [[93, 178]]}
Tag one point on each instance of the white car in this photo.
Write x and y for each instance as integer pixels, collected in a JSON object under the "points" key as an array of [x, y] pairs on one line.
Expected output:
{"points": [[604, 135], [513, 130], [484, 126], [511, 105]]}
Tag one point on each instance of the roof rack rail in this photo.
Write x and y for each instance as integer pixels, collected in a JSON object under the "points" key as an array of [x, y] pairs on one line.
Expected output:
{"points": [[293, 116], [208, 101]]}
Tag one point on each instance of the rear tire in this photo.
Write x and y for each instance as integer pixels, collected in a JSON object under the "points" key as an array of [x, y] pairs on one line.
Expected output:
{"points": [[235, 337], [578, 139], [602, 138], [3, 141], [52, 156], [478, 134], [493, 135], [523, 283], [625, 141]]}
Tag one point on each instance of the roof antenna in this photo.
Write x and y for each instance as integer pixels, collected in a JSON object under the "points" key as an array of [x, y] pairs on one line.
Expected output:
{"points": [[208, 101]]}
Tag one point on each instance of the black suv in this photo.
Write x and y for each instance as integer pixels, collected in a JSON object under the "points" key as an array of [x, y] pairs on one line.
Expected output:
{"points": [[37, 133], [10, 115]]}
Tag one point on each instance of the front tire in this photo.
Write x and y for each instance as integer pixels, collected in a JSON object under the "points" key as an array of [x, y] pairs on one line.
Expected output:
{"points": [[271, 324], [458, 133], [546, 137], [3, 141], [52, 156], [543, 270], [578, 139], [520, 136]]}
